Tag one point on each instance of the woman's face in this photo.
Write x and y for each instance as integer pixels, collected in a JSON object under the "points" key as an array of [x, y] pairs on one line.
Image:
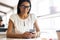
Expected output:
{"points": [[24, 8]]}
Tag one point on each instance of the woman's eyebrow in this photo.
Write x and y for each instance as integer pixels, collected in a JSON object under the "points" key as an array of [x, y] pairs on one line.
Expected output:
{"points": [[25, 5]]}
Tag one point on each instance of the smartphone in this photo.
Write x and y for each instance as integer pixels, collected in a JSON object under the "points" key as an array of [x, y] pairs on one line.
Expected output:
{"points": [[32, 31]]}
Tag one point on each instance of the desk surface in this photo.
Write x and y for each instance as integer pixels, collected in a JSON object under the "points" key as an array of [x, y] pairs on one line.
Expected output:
{"points": [[3, 37], [18, 39]]}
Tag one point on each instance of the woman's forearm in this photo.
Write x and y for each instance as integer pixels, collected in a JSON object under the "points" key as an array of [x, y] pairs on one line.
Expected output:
{"points": [[13, 35]]}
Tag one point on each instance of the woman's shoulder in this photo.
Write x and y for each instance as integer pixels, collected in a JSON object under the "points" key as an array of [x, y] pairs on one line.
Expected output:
{"points": [[32, 15], [13, 16]]}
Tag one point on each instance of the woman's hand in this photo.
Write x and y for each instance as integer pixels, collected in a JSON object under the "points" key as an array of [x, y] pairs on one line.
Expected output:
{"points": [[34, 35], [27, 35]]}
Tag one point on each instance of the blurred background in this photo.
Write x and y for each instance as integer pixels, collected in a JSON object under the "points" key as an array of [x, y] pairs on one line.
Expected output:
{"points": [[47, 12]]}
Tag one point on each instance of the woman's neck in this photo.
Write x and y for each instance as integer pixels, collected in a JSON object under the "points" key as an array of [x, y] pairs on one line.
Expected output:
{"points": [[23, 16]]}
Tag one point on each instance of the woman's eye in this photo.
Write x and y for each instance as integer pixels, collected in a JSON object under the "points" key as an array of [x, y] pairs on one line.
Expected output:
{"points": [[23, 6]]}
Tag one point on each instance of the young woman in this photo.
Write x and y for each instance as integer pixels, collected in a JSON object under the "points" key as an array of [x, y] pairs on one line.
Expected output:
{"points": [[22, 24]]}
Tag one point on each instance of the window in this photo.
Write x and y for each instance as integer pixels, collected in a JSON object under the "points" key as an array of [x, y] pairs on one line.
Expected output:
{"points": [[49, 12]]}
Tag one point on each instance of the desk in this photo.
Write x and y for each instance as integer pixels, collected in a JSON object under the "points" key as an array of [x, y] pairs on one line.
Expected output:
{"points": [[21, 39], [3, 37]]}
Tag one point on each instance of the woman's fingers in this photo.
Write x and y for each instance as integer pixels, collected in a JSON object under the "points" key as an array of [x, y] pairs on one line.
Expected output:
{"points": [[29, 35]]}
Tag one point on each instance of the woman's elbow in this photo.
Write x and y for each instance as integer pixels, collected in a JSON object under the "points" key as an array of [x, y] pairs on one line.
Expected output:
{"points": [[8, 35]]}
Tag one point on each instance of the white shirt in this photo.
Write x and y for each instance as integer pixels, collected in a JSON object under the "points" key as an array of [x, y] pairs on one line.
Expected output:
{"points": [[21, 25]]}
